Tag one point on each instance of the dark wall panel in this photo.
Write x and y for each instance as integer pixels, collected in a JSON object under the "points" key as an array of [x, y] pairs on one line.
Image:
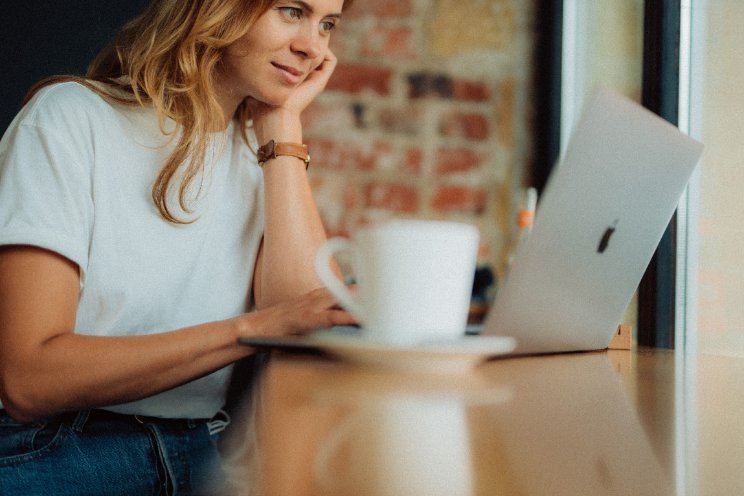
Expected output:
{"points": [[39, 38]]}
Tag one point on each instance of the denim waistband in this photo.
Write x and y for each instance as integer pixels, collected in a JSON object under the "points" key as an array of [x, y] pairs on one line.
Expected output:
{"points": [[79, 419]]}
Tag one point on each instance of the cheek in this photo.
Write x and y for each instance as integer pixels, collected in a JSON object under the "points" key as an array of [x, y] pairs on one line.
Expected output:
{"points": [[240, 61], [231, 60]]}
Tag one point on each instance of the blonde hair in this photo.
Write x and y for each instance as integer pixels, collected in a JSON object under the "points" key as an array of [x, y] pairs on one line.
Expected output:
{"points": [[166, 58]]}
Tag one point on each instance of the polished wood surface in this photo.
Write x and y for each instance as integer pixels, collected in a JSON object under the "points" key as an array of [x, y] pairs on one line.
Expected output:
{"points": [[613, 422]]}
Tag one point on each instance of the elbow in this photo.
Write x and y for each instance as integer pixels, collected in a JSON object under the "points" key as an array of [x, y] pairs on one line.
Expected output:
{"points": [[18, 414], [18, 400]]}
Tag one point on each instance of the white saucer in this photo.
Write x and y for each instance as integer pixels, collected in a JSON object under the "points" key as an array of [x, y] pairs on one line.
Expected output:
{"points": [[441, 357]]}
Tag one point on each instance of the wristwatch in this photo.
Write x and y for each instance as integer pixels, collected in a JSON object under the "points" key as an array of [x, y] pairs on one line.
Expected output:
{"points": [[273, 149]]}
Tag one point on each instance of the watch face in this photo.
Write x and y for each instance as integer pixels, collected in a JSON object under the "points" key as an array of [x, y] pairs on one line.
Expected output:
{"points": [[266, 152]]}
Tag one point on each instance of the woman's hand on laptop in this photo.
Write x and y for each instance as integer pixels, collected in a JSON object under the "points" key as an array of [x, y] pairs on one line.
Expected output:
{"points": [[314, 310]]}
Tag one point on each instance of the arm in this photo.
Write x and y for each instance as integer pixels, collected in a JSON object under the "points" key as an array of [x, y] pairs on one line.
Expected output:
{"points": [[46, 368], [293, 229]]}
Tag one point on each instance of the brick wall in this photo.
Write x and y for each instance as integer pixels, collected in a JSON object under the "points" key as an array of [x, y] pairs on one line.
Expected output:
{"points": [[426, 116]]}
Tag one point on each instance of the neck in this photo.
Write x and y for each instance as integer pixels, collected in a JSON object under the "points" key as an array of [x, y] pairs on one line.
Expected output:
{"points": [[228, 101]]}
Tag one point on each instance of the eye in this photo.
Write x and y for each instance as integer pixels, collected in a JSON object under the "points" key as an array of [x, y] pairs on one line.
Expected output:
{"points": [[327, 26], [290, 13]]}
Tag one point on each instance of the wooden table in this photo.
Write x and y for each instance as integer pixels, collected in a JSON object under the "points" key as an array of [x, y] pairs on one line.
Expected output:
{"points": [[641, 422]]}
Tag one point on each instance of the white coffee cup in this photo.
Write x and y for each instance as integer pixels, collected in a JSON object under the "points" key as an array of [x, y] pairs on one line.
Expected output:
{"points": [[414, 279]]}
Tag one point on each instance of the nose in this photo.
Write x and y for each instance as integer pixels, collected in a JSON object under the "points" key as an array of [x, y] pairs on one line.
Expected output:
{"points": [[308, 43]]}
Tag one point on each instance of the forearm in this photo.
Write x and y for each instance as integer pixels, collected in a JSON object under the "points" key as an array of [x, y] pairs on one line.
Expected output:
{"points": [[293, 229], [71, 371], [66, 371], [45, 368], [293, 233]]}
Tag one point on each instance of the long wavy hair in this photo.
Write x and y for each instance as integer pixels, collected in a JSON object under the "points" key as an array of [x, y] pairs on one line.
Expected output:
{"points": [[167, 58]]}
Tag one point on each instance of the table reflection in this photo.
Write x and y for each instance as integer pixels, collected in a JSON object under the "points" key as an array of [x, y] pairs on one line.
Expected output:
{"points": [[558, 424]]}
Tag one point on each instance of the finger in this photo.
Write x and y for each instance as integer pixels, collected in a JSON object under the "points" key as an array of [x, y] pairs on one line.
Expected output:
{"points": [[323, 71], [323, 294], [331, 57], [339, 318], [342, 317]]}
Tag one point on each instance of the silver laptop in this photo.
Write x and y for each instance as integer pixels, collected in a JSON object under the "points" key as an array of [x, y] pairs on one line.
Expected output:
{"points": [[602, 214]]}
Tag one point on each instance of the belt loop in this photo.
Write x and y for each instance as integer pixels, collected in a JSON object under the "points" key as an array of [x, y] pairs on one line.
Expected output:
{"points": [[80, 419], [218, 423]]}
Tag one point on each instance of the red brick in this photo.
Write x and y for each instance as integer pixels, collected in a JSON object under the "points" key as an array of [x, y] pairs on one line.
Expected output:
{"points": [[324, 153], [353, 78], [352, 197], [413, 161], [388, 42], [470, 91], [369, 157], [460, 199], [472, 126], [328, 116], [389, 196], [406, 120], [337, 155], [380, 8], [454, 160]]}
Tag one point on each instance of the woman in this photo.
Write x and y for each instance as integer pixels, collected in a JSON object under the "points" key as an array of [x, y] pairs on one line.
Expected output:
{"points": [[140, 238]]}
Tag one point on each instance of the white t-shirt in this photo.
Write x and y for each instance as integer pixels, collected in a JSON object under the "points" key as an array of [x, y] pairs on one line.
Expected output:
{"points": [[76, 174]]}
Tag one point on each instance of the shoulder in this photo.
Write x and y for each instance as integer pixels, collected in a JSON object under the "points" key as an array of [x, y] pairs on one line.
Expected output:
{"points": [[79, 118], [65, 103], [68, 91]]}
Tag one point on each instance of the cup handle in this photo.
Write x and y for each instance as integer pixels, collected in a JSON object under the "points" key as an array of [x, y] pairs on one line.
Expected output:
{"points": [[329, 279]]}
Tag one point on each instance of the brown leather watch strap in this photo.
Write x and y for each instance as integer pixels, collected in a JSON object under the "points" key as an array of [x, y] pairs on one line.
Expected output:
{"points": [[273, 149]]}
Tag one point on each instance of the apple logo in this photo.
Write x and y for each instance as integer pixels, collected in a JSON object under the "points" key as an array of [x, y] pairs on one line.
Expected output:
{"points": [[604, 241]]}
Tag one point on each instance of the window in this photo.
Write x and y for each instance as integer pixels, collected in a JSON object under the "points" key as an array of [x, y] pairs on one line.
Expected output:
{"points": [[712, 283]]}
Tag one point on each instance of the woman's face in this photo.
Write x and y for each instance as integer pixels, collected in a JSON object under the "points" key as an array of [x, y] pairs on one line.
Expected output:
{"points": [[285, 44]]}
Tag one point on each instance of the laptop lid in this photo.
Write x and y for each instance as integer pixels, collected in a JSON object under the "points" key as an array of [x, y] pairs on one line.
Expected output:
{"points": [[602, 214]]}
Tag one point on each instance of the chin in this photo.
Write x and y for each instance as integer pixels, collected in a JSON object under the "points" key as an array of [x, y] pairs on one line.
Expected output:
{"points": [[274, 99]]}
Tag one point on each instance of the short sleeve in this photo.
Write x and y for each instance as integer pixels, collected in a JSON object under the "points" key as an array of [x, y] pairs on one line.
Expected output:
{"points": [[45, 184]]}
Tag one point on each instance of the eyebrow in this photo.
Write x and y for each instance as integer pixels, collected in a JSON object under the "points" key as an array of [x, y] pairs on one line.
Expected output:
{"points": [[309, 8]]}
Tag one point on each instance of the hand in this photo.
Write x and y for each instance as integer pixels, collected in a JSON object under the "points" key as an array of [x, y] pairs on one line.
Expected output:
{"points": [[313, 85], [269, 120], [314, 310]]}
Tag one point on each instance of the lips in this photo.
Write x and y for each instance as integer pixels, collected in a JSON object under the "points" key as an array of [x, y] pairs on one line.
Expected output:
{"points": [[290, 74]]}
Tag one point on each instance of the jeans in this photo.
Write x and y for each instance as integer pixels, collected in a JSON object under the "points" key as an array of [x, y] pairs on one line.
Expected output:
{"points": [[102, 453]]}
